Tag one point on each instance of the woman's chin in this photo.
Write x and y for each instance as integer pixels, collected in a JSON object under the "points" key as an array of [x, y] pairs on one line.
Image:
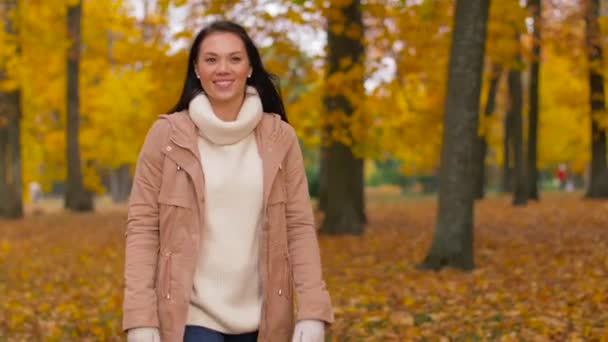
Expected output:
{"points": [[224, 96]]}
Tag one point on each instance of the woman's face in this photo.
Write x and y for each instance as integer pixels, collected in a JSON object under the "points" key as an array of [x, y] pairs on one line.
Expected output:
{"points": [[223, 67]]}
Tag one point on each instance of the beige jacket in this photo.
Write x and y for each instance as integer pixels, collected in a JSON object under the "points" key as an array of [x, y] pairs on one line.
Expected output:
{"points": [[166, 210]]}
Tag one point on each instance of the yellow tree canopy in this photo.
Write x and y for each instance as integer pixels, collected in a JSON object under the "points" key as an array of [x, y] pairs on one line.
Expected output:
{"points": [[132, 69]]}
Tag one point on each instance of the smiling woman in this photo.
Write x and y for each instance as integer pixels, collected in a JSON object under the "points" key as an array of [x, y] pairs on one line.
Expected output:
{"points": [[223, 68], [223, 60], [221, 229]]}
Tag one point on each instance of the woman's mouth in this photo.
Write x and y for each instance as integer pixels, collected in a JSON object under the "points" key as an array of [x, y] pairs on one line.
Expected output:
{"points": [[223, 84]]}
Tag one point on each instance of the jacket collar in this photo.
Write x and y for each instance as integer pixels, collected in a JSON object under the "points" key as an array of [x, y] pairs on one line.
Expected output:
{"points": [[269, 132], [271, 138]]}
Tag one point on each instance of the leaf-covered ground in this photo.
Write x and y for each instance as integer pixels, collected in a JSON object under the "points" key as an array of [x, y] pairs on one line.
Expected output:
{"points": [[542, 275]]}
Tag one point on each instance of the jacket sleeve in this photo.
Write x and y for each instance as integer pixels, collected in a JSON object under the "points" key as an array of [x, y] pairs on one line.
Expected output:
{"points": [[142, 233], [313, 298]]}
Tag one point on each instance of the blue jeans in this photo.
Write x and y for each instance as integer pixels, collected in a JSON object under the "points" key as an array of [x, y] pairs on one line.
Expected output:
{"points": [[202, 334]]}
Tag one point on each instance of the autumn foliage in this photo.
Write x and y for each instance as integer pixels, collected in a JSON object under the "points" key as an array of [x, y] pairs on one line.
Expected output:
{"points": [[542, 275], [132, 69]]}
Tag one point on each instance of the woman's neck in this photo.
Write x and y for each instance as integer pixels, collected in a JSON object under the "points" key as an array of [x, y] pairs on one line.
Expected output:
{"points": [[227, 110]]}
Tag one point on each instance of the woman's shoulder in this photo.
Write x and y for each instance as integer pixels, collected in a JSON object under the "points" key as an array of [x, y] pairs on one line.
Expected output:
{"points": [[272, 123], [165, 124], [178, 121], [176, 118]]}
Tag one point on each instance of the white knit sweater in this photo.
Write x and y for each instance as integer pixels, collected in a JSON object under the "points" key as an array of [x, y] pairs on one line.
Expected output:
{"points": [[226, 295]]}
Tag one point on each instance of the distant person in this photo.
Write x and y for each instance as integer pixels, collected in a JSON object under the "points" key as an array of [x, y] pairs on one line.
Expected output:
{"points": [[220, 228], [35, 192], [562, 175], [569, 187]]}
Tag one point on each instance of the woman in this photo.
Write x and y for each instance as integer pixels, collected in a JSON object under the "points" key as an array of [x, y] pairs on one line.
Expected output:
{"points": [[220, 227]]}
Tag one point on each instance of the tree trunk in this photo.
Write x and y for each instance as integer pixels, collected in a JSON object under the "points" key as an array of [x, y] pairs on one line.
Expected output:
{"points": [[532, 184], [598, 182], [481, 144], [507, 178], [322, 205], [520, 196], [4, 157], [360, 191], [341, 215], [11, 183], [76, 197], [120, 178], [452, 244], [120, 184], [344, 212]]}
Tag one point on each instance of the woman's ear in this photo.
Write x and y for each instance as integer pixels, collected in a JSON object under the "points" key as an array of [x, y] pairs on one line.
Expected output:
{"points": [[195, 71]]}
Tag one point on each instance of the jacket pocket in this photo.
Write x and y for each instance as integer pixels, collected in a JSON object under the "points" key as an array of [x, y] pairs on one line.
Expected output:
{"points": [[276, 212], [175, 205], [176, 186]]}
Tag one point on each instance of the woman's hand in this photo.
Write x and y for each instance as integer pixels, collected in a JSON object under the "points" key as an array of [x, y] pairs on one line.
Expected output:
{"points": [[145, 334], [309, 330]]}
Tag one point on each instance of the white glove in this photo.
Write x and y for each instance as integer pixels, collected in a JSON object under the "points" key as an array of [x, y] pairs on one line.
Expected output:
{"points": [[145, 334], [309, 330]]}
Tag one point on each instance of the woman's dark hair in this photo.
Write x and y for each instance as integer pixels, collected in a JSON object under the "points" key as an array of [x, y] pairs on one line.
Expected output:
{"points": [[264, 82]]}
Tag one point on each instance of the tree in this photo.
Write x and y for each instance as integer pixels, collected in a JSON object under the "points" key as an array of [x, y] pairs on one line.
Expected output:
{"points": [[507, 168], [534, 7], [323, 174], [503, 51], [76, 197], [598, 182], [119, 178], [481, 145], [520, 195], [452, 243], [120, 182], [344, 212], [11, 201], [407, 111]]}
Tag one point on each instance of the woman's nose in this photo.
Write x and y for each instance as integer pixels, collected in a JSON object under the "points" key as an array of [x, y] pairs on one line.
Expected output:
{"points": [[222, 66]]}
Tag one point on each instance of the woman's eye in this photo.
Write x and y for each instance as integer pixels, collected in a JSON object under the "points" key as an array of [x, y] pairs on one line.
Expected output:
{"points": [[210, 60], [236, 59]]}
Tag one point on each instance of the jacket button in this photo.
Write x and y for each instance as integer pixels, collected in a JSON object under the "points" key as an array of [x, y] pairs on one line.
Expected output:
{"points": [[168, 253], [168, 296], [179, 167], [168, 148], [280, 292]]}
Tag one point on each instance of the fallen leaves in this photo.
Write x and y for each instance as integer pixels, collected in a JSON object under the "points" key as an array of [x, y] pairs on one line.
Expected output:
{"points": [[61, 278], [542, 275]]}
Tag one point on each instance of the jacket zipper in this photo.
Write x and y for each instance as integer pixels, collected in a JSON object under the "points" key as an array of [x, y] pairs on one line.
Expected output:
{"points": [[287, 279], [166, 285], [263, 251]]}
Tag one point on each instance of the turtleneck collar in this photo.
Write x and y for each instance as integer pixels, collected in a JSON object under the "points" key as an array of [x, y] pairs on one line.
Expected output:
{"points": [[220, 132]]}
